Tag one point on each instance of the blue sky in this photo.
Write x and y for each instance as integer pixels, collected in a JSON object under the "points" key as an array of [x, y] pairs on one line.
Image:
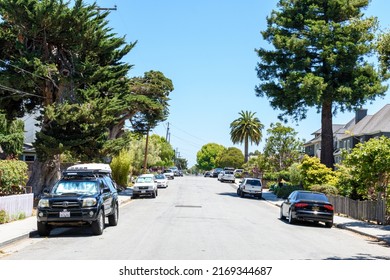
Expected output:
{"points": [[206, 47]]}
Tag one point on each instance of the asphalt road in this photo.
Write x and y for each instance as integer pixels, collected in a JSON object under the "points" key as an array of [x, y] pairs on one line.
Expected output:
{"points": [[199, 218]]}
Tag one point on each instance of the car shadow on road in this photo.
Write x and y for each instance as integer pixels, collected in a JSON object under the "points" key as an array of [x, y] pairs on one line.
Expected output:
{"points": [[304, 223], [360, 257], [233, 194]]}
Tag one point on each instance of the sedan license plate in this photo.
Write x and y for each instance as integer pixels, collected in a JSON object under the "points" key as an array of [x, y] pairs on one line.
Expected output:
{"points": [[65, 214], [316, 208], [143, 191]]}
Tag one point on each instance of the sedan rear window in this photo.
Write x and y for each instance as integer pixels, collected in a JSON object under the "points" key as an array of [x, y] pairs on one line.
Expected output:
{"points": [[312, 196]]}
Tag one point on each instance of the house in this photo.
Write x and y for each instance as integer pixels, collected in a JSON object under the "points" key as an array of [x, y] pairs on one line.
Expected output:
{"points": [[30, 128], [360, 129]]}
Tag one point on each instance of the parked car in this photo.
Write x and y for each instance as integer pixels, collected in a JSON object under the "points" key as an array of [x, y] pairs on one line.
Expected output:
{"points": [[85, 195], [307, 206], [215, 172], [250, 186], [145, 184], [169, 174], [162, 181], [220, 175], [228, 176], [207, 174]]}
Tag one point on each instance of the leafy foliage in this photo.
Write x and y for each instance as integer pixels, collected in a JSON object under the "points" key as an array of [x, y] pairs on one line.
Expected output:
{"points": [[315, 173], [231, 157], [206, 157], [369, 167], [121, 167], [282, 147], [11, 137], [13, 176]]}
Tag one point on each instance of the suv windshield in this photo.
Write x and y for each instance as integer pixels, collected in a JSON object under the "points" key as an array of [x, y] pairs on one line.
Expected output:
{"points": [[144, 180], [79, 187]]}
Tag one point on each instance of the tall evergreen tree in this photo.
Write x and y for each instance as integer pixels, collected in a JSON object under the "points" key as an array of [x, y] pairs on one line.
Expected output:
{"points": [[64, 61], [319, 60]]}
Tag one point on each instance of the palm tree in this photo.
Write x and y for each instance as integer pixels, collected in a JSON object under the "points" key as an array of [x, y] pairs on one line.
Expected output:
{"points": [[246, 128]]}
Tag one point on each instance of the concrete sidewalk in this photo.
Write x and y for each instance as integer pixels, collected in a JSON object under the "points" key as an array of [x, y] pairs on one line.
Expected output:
{"points": [[21, 229]]}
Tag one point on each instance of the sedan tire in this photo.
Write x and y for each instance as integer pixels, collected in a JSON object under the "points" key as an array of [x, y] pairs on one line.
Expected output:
{"points": [[291, 220], [281, 216]]}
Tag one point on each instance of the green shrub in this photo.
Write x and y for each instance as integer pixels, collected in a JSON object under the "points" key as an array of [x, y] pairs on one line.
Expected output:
{"points": [[313, 172], [285, 190], [13, 176], [121, 166], [326, 189], [3, 217]]}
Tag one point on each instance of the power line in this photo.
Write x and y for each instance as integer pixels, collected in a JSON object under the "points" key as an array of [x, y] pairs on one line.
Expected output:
{"points": [[22, 93], [23, 70]]}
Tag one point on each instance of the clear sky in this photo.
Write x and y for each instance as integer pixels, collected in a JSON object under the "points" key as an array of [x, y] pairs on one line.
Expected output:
{"points": [[207, 48]]}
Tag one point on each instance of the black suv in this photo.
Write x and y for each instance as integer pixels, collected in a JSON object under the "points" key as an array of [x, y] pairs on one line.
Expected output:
{"points": [[81, 197]]}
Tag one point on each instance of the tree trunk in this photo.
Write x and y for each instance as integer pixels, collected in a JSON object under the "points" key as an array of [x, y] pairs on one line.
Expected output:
{"points": [[327, 135], [146, 152], [44, 174], [246, 150]]}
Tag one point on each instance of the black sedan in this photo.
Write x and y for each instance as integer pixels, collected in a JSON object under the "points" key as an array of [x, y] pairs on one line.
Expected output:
{"points": [[307, 206]]}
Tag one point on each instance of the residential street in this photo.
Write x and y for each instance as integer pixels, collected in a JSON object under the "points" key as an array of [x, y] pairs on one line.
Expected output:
{"points": [[199, 218]]}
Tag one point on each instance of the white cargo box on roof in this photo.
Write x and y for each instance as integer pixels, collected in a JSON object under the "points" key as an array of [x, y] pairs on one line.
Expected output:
{"points": [[90, 167]]}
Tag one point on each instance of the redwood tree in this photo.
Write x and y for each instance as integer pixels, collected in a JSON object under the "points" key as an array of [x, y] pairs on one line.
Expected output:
{"points": [[319, 59]]}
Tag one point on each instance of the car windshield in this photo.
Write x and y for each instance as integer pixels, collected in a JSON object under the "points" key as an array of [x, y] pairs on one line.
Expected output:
{"points": [[253, 182], [160, 176], [229, 172], [144, 180], [312, 196], [80, 187]]}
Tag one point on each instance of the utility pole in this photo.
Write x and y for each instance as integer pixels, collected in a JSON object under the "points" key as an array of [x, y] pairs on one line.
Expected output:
{"points": [[107, 9], [167, 137]]}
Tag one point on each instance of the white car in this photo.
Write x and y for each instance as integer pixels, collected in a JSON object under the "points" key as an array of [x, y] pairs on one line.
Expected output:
{"points": [[250, 186], [228, 176], [169, 174], [162, 181], [145, 184], [220, 174]]}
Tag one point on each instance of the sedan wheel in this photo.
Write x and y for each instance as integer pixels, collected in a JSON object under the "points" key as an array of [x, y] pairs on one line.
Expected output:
{"points": [[290, 218], [281, 214], [329, 224]]}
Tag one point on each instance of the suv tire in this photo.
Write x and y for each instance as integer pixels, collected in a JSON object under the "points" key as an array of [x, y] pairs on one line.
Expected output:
{"points": [[113, 218], [43, 229], [98, 225]]}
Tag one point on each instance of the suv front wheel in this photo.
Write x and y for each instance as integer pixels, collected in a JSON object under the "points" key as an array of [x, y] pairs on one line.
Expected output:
{"points": [[113, 218], [98, 225], [43, 229]]}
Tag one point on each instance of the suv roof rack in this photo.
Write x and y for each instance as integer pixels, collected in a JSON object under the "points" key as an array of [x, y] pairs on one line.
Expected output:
{"points": [[94, 167]]}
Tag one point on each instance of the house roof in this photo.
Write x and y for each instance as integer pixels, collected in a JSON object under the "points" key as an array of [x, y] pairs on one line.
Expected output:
{"points": [[371, 124]]}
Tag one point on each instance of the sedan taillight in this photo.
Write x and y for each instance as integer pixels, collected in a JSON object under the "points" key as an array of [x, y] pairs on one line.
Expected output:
{"points": [[328, 207], [301, 205]]}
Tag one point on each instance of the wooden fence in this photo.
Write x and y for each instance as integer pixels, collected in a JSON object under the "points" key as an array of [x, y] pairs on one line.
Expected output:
{"points": [[15, 205], [366, 210]]}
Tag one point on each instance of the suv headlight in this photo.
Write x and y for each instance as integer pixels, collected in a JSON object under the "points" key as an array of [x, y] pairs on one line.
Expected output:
{"points": [[43, 203], [88, 202]]}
